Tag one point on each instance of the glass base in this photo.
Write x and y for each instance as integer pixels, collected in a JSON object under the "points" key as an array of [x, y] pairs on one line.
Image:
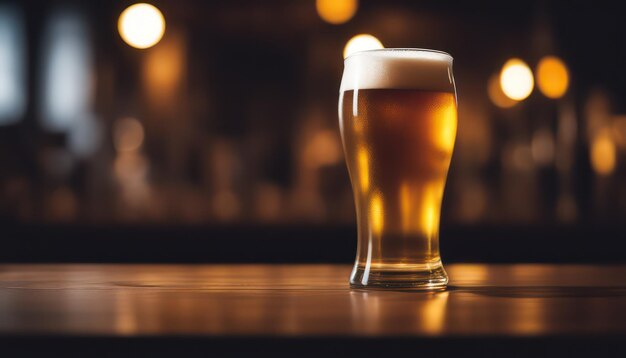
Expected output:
{"points": [[433, 277]]}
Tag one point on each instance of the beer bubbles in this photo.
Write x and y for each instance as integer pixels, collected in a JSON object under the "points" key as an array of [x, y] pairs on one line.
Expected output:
{"points": [[362, 42], [552, 77], [336, 12], [516, 79], [141, 25]]}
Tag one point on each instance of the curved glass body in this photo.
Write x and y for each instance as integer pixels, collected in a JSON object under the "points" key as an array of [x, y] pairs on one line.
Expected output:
{"points": [[398, 120]]}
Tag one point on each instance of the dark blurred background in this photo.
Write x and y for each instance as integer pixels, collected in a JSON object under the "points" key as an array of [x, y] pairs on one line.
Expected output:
{"points": [[220, 141]]}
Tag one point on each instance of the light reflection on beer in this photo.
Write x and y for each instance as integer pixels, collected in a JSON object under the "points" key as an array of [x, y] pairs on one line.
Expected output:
{"points": [[429, 210], [406, 202], [376, 213], [364, 173], [357, 122], [445, 131], [419, 208]]}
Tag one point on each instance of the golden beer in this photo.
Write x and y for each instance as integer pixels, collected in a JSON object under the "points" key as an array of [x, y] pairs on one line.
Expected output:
{"points": [[398, 122]]}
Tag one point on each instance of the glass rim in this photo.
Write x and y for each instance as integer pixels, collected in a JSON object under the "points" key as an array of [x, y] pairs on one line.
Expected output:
{"points": [[401, 49]]}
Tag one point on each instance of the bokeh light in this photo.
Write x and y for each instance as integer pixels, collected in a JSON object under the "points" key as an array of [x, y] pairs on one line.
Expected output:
{"points": [[496, 95], [362, 42], [12, 65], [226, 205], [67, 71], [516, 79], [62, 205], [324, 148], [85, 136], [552, 77], [141, 25], [618, 127], [163, 71], [336, 11], [128, 135], [542, 147], [603, 154]]}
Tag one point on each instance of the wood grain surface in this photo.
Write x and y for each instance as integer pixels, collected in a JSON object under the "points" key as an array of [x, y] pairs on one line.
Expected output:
{"points": [[307, 300]]}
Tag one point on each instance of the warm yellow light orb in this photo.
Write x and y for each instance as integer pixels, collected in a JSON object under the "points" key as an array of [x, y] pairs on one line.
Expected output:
{"points": [[552, 77], [141, 25], [336, 11], [361, 42], [496, 95], [603, 153], [516, 79]]}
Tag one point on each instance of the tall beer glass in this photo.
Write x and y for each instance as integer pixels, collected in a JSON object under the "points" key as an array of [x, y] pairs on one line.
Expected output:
{"points": [[398, 119]]}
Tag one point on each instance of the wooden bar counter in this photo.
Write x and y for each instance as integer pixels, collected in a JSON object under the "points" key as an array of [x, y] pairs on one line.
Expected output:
{"points": [[309, 310]]}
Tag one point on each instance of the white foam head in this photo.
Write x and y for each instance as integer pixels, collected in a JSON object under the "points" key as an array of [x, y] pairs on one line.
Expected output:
{"points": [[398, 69]]}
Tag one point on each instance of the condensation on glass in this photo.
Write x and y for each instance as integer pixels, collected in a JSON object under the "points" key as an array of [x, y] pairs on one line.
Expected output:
{"points": [[398, 121]]}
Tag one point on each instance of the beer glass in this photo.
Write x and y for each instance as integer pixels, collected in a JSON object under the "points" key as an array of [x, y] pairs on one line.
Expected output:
{"points": [[398, 120]]}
